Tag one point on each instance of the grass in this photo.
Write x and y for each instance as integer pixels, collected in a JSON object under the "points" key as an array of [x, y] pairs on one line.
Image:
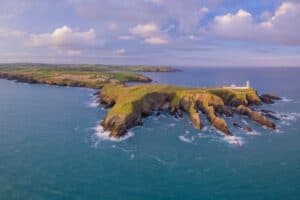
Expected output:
{"points": [[90, 76], [129, 104], [126, 96]]}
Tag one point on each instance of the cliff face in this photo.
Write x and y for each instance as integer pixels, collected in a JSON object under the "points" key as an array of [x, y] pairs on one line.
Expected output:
{"points": [[128, 105]]}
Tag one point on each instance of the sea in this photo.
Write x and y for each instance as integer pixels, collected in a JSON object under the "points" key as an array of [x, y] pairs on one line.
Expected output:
{"points": [[52, 146]]}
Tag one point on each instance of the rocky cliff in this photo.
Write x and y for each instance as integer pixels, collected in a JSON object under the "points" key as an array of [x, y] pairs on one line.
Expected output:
{"points": [[128, 105]]}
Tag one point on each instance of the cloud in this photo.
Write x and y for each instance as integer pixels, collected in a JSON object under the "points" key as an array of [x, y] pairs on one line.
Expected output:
{"points": [[185, 15], [150, 33], [144, 30], [64, 38], [156, 41], [281, 27], [234, 26]]}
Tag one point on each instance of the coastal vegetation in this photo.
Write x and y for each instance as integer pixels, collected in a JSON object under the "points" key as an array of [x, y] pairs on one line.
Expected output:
{"points": [[91, 76], [129, 104]]}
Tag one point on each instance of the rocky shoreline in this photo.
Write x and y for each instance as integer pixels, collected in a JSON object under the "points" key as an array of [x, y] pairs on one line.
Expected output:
{"points": [[129, 105]]}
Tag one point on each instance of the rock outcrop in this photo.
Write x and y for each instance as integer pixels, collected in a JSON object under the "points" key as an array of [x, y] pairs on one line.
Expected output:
{"points": [[128, 105], [269, 99], [255, 116]]}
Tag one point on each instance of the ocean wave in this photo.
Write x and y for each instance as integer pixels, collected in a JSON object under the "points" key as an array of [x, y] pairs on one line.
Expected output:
{"points": [[205, 128], [208, 136], [288, 116], [285, 123], [245, 122], [253, 133], [185, 139], [93, 103], [105, 135], [234, 140], [285, 99]]}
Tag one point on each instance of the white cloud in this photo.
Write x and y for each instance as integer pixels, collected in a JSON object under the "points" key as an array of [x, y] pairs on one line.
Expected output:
{"points": [[150, 33], [144, 30], [156, 41], [203, 10], [235, 26], [63, 37], [281, 27]]}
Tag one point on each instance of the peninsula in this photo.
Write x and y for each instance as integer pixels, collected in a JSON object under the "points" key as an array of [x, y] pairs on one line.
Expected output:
{"points": [[128, 105]]}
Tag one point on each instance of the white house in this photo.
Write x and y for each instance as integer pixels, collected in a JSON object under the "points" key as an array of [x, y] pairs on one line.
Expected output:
{"points": [[233, 86]]}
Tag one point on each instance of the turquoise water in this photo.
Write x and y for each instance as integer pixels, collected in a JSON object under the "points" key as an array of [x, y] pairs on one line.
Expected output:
{"points": [[49, 148]]}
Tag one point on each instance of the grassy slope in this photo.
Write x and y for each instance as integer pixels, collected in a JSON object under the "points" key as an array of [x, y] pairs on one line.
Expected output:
{"points": [[129, 103], [125, 96], [85, 76]]}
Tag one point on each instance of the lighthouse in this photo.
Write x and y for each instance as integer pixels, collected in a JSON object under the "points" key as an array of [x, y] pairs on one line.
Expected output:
{"points": [[248, 84]]}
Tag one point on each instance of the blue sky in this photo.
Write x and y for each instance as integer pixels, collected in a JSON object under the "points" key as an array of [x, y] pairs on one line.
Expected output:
{"points": [[151, 32]]}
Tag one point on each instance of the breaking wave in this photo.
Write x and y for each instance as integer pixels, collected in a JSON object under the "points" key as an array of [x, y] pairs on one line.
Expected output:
{"points": [[234, 140], [285, 99], [245, 122], [93, 103], [105, 135], [183, 138], [288, 116], [253, 133]]}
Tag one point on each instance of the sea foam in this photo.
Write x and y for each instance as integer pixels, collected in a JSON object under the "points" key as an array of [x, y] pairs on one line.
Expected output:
{"points": [[105, 135], [93, 103], [234, 140], [253, 133], [288, 116], [186, 139], [285, 99]]}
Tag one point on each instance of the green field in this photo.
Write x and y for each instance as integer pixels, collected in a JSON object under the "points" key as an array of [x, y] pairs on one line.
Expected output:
{"points": [[92, 76]]}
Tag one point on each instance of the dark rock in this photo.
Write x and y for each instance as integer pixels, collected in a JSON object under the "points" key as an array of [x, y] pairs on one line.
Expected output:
{"points": [[224, 110], [96, 93], [271, 116], [267, 111], [269, 99], [236, 125]]}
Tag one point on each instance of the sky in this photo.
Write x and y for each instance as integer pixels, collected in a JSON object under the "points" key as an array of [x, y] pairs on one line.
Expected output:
{"points": [[223, 33]]}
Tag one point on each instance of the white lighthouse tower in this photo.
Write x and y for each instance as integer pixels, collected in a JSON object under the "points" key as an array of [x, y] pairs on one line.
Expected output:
{"points": [[248, 84]]}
